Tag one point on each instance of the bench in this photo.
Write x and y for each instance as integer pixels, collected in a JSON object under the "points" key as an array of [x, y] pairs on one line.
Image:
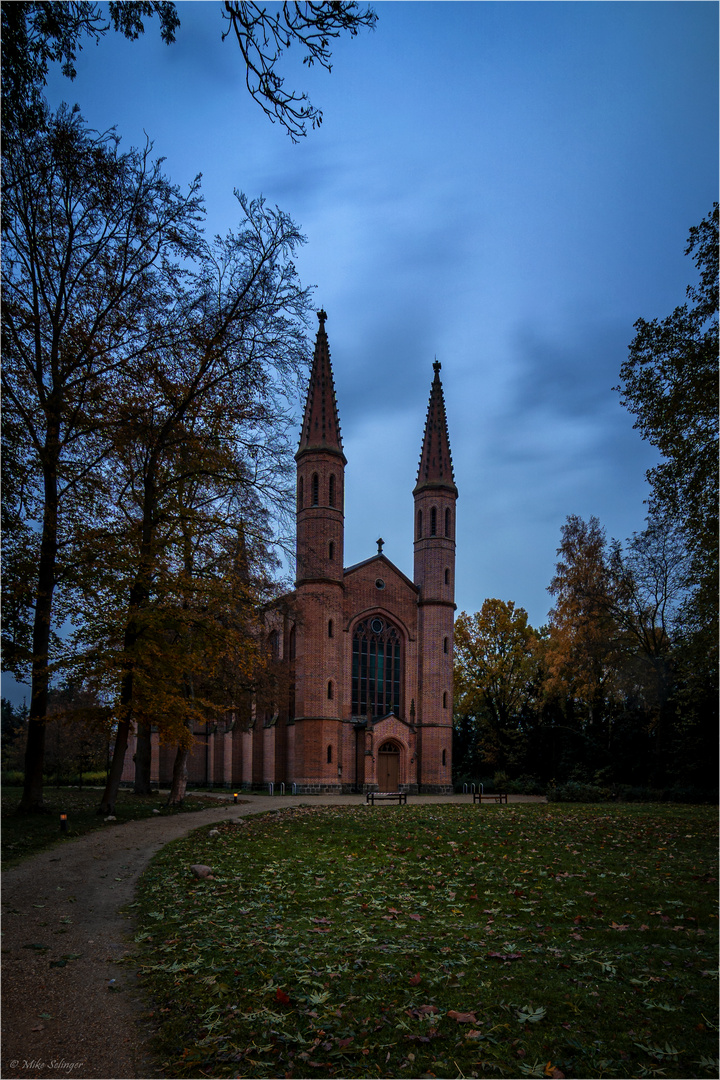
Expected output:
{"points": [[390, 796], [496, 797]]}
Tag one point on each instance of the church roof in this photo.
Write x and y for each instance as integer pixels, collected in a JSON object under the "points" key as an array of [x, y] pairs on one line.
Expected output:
{"points": [[435, 468], [321, 427], [384, 561]]}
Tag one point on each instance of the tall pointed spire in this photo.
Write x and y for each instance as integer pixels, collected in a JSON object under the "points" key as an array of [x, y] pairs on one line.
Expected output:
{"points": [[321, 427], [436, 469]]}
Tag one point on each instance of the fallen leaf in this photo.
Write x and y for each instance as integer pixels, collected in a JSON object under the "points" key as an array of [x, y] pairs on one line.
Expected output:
{"points": [[463, 1018], [415, 979], [281, 997]]}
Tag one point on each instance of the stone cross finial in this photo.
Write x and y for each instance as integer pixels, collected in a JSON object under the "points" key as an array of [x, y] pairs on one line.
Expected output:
{"points": [[322, 316], [380, 545]]}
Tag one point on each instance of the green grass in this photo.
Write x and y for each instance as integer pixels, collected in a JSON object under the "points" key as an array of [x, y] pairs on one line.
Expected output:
{"points": [[448, 941], [26, 834]]}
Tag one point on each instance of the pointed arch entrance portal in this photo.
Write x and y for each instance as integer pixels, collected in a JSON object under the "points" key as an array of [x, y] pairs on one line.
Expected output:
{"points": [[388, 767]]}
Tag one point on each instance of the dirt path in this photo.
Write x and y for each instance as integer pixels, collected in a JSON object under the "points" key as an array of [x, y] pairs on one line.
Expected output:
{"points": [[63, 1019]]}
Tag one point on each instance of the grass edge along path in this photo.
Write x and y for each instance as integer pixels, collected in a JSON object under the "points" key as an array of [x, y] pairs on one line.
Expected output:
{"points": [[24, 835], [418, 941]]}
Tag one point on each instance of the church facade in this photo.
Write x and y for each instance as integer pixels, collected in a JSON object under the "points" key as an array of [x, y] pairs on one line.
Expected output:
{"points": [[366, 652], [372, 650]]}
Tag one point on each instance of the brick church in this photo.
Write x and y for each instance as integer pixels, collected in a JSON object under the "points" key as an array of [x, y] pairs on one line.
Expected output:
{"points": [[366, 651]]}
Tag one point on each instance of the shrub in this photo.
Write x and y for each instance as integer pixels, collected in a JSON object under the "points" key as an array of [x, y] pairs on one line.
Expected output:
{"points": [[574, 791]]}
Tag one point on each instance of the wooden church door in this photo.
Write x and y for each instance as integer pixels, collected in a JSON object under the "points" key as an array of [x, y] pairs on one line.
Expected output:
{"points": [[388, 770]]}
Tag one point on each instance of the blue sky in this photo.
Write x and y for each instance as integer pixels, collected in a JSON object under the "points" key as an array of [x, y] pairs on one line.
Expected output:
{"points": [[506, 186]]}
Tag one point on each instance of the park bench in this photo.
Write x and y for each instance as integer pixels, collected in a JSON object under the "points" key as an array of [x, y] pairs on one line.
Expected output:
{"points": [[496, 797], [391, 796]]}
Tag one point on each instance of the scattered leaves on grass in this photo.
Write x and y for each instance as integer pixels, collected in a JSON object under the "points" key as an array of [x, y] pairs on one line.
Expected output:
{"points": [[308, 952]]}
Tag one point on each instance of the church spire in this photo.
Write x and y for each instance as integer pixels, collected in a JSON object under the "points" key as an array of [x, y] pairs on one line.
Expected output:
{"points": [[321, 427], [436, 469]]}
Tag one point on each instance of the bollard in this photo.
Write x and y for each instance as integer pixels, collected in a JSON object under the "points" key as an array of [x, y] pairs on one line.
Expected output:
{"points": [[271, 788], [465, 789], [282, 788], [472, 788], [294, 789]]}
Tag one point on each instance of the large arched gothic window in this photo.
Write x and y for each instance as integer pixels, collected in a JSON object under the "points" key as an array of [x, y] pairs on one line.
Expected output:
{"points": [[377, 668]]}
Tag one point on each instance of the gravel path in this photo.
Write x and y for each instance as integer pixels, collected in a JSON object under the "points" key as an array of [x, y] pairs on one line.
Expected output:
{"points": [[63, 1019]]}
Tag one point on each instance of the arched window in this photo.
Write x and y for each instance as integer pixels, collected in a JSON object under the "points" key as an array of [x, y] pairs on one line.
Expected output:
{"points": [[274, 644], [329, 755], [291, 644], [330, 691], [300, 493], [376, 668], [315, 489], [331, 550], [330, 628], [444, 757], [331, 490], [445, 644], [419, 524], [444, 699], [433, 521], [447, 521], [447, 576]]}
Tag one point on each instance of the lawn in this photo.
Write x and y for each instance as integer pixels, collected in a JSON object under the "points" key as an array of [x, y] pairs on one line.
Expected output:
{"points": [[448, 941], [26, 834]]}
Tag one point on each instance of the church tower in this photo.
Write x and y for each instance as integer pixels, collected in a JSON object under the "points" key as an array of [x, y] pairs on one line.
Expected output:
{"points": [[435, 495], [319, 691]]}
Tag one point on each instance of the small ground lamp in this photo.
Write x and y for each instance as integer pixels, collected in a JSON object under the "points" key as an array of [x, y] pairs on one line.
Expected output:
{"points": [[235, 796], [63, 823]]}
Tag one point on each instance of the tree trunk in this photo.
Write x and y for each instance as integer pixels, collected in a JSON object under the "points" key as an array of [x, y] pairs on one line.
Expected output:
{"points": [[32, 797], [143, 759], [109, 796], [139, 593], [179, 777]]}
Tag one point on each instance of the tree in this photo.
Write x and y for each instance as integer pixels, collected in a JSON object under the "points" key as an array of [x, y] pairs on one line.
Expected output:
{"points": [[37, 34], [615, 648], [495, 668], [201, 442], [78, 731], [584, 641], [89, 234], [14, 723], [669, 382]]}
